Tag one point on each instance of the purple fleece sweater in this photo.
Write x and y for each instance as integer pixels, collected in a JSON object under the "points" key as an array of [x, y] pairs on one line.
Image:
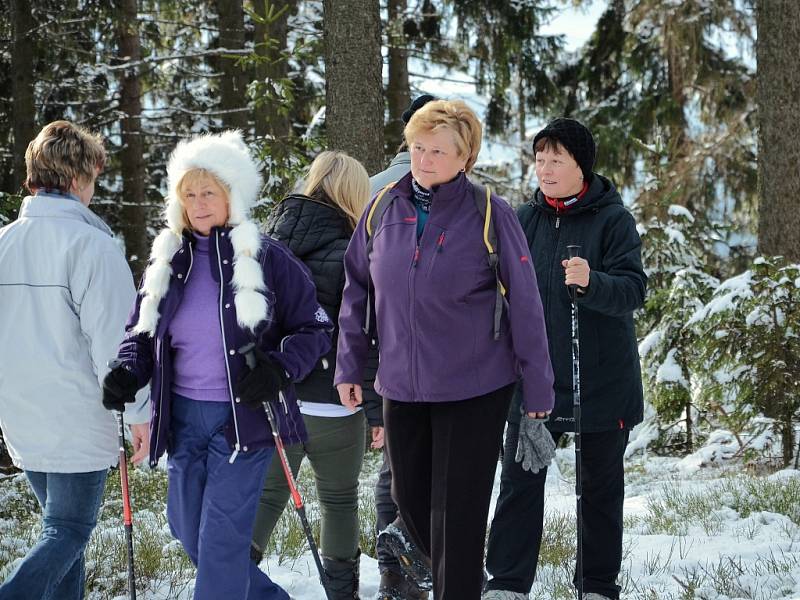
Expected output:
{"points": [[199, 363]]}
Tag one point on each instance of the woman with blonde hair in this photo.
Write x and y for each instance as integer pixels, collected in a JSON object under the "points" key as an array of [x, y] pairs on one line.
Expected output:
{"points": [[317, 226], [216, 290], [460, 324]]}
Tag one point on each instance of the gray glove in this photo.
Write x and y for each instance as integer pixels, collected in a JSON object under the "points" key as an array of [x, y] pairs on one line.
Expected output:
{"points": [[535, 447]]}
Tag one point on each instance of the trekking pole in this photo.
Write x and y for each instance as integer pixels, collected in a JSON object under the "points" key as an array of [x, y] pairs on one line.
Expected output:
{"points": [[297, 500], [127, 516], [574, 251]]}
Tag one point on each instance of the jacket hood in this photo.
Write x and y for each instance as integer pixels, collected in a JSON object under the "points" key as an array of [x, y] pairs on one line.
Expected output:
{"points": [[601, 193], [226, 156], [307, 224]]}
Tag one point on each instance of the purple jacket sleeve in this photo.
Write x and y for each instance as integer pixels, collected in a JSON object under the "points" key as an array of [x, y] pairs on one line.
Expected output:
{"points": [[136, 349], [353, 346], [306, 327], [526, 317]]}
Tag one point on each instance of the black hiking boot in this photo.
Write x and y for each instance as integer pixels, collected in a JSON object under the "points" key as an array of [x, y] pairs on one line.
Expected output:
{"points": [[342, 577], [415, 565]]}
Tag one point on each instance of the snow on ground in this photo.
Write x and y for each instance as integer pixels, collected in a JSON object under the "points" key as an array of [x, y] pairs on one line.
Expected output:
{"points": [[659, 565]]}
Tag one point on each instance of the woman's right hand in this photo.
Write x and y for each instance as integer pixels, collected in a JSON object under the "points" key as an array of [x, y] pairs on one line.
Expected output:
{"points": [[350, 395]]}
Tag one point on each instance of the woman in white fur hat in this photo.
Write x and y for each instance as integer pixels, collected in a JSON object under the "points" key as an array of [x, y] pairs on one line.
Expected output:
{"points": [[215, 286]]}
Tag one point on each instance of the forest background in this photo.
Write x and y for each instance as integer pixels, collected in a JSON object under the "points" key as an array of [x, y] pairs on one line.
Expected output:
{"points": [[694, 104]]}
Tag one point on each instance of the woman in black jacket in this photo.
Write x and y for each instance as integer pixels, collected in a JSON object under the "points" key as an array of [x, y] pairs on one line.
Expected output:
{"points": [[316, 226], [574, 205]]}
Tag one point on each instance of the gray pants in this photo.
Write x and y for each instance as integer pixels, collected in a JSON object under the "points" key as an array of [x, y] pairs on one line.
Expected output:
{"points": [[335, 449]]}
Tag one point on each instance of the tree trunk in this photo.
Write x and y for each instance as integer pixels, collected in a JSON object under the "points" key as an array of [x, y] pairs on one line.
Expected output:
{"points": [[398, 93], [525, 152], [353, 82], [133, 222], [233, 83], [270, 41], [23, 109], [778, 100]]}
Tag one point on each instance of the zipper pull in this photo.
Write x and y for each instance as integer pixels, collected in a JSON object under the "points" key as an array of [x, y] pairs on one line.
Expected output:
{"points": [[235, 454], [416, 256], [440, 242], [558, 222]]}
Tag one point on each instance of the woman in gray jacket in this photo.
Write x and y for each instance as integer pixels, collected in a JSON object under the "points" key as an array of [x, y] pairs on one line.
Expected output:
{"points": [[66, 290]]}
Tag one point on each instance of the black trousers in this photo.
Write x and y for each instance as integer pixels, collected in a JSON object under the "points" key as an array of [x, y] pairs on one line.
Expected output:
{"points": [[516, 532], [443, 458]]}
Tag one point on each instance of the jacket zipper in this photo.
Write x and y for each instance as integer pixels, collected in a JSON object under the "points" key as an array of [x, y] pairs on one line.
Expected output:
{"points": [[160, 355], [237, 447], [439, 248], [555, 264], [412, 319]]}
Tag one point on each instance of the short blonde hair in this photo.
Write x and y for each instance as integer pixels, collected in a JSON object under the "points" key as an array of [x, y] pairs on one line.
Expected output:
{"points": [[455, 116], [193, 176], [343, 180], [60, 153]]}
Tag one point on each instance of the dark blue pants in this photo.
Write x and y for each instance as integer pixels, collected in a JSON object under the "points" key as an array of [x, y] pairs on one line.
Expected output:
{"points": [[516, 532], [53, 568], [211, 503]]}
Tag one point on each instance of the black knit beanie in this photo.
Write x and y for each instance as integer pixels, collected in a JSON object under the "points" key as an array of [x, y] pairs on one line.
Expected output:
{"points": [[418, 103], [576, 138]]}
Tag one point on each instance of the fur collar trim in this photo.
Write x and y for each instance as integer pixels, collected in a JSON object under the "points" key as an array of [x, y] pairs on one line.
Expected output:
{"points": [[227, 156]]}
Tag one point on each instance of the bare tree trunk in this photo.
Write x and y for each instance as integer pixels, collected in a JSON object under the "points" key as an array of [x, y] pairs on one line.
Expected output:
{"points": [[398, 93], [271, 40], [23, 109], [778, 100], [233, 83], [353, 82], [133, 221]]}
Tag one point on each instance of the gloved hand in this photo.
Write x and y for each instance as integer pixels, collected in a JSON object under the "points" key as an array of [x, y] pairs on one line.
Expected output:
{"points": [[535, 447], [262, 383], [119, 387]]}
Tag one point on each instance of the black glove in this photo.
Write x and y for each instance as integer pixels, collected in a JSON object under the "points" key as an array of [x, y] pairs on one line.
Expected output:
{"points": [[262, 383], [119, 387]]}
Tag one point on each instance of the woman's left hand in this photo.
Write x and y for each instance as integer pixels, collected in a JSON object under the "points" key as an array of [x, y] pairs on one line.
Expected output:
{"points": [[576, 272]]}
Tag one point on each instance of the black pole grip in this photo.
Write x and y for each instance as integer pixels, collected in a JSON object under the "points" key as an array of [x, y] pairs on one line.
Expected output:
{"points": [[573, 250]]}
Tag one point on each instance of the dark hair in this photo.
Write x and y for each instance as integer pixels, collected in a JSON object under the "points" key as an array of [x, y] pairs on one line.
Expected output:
{"points": [[552, 144]]}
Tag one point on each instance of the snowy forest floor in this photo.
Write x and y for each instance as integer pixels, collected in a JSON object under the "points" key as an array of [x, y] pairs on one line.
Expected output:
{"points": [[714, 533]]}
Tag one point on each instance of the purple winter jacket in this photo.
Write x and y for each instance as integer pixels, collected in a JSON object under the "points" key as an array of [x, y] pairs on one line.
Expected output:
{"points": [[434, 303], [295, 338]]}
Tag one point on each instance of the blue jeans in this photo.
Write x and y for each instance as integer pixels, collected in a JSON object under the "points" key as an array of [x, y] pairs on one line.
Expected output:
{"points": [[53, 568], [211, 503]]}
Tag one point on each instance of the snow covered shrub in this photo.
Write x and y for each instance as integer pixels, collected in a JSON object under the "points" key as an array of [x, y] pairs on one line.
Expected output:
{"points": [[673, 254], [749, 338]]}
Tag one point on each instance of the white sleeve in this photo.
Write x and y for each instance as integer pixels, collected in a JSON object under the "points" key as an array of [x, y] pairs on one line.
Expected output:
{"points": [[108, 298]]}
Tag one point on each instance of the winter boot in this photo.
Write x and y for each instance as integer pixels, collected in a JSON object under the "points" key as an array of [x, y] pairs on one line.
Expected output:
{"points": [[342, 577], [415, 564], [503, 595], [396, 586], [594, 596]]}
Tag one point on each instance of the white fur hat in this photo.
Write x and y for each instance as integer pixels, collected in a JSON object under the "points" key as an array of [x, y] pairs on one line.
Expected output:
{"points": [[228, 158]]}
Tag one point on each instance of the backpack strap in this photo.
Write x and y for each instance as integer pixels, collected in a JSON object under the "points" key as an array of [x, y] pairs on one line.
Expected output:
{"points": [[373, 221], [483, 202]]}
